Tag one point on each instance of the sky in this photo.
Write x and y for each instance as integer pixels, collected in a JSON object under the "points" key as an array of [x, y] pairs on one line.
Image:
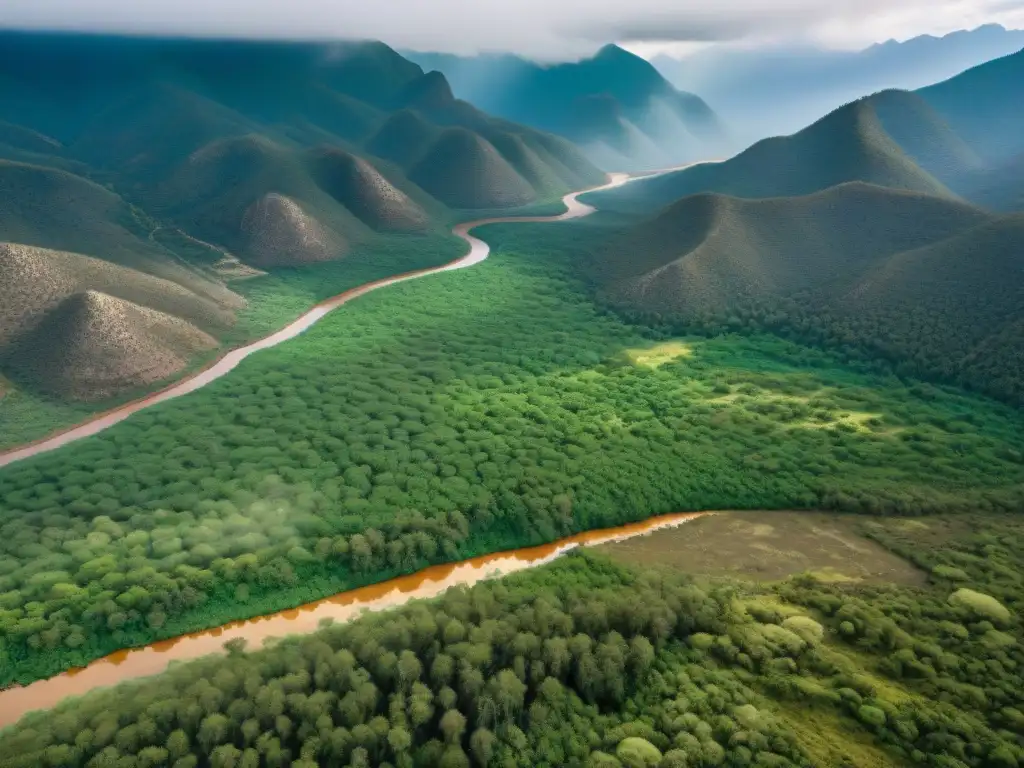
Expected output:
{"points": [[546, 29]]}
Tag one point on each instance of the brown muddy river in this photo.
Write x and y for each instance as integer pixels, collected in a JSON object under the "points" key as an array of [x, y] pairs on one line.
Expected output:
{"points": [[430, 582]]}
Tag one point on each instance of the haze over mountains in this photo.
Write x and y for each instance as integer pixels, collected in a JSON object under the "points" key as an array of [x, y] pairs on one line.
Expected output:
{"points": [[881, 229], [944, 140], [138, 176], [615, 105], [771, 91]]}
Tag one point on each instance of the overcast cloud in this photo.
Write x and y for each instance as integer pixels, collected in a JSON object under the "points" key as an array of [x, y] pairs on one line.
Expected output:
{"points": [[543, 28]]}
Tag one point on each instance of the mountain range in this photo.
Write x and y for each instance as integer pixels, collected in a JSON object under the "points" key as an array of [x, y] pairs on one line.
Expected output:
{"points": [[771, 91], [615, 105], [891, 228], [140, 176], [955, 139]]}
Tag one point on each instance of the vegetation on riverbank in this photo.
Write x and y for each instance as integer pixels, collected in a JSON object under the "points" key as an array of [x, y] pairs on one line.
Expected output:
{"points": [[586, 662], [465, 412]]}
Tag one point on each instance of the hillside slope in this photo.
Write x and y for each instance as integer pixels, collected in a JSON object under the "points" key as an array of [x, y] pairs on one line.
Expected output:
{"points": [[999, 187], [707, 253], [983, 105], [34, 280], [93, 346], [850, 144], [203, 161], [463, 170], [930, 284]]}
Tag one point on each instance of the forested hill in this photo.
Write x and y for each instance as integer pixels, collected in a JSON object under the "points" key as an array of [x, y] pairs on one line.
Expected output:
{"points": [[199, 163], [882, 230], [930, 285]]}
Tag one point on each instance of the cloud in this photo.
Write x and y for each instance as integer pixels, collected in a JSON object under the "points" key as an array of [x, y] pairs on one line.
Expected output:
{"points": [[545, 28]]}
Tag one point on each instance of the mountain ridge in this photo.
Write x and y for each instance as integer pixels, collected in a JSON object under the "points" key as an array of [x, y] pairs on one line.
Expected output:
{"points": [[598, 102]]}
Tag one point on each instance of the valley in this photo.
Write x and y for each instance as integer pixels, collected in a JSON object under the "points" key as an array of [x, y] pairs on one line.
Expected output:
{"points": [[716, 462], [478, 251]]}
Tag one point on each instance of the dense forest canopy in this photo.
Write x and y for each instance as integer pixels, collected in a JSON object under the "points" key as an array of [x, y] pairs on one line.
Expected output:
{"points": [[446, 417], [586, 662]]}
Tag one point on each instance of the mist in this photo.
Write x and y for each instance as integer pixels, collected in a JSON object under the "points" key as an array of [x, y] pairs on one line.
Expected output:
{"points": [[539, 28]]}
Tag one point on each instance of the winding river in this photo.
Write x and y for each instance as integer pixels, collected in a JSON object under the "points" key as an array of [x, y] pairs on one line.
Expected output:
{"points": [[478, 251]]}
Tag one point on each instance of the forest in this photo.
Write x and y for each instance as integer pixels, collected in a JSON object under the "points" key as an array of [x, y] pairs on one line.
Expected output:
{"points": [[589, 662], [462, 413]]}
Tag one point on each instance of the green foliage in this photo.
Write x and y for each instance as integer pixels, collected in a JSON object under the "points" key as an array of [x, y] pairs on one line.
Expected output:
{"points": [[433, 421], [807, 628], [329, 698], [567, 680], [980, 605], [635, 752]]}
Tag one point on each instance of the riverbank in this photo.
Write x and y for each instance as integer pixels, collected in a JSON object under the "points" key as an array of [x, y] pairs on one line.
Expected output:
{"points": [[152, 659]]}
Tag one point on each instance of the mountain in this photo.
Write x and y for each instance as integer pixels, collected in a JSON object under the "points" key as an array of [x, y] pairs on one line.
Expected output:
{"points": [[774, 91], [984, 106], [932, 284], [363, 190], [129, 160], [999, 188], [464, 170], [613, 104], [853, 143]]}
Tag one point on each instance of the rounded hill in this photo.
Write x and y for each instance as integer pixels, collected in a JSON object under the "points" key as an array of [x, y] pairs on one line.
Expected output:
{"points": [[708, 252], [93, 346], [848, 144], [463, 170], [34, 280], [402, 138], [278, 232], [527, 162], [364, 191]]}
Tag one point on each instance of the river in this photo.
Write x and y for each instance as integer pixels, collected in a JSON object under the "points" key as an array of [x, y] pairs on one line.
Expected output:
{"points": [[430, 582]]}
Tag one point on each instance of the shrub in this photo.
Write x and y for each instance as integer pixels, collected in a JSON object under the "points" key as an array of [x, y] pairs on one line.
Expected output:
{"points": [[635, 752], [981, 605], [807, 628]]}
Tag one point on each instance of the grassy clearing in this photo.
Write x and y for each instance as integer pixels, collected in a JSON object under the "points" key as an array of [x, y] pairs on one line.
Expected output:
{"points": [[659, 354], [769, 546], [830, 739]]}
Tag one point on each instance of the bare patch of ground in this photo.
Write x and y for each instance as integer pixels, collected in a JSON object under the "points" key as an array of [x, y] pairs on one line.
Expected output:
{"points": [[770, 546]]}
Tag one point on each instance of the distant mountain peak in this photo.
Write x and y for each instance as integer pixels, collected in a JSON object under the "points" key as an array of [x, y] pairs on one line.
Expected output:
{"points": [[612, 51], [430, 92]]}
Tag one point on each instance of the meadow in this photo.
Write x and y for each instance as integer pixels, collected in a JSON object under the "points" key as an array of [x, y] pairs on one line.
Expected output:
{"points": [[461, 413], [770, 546]]}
